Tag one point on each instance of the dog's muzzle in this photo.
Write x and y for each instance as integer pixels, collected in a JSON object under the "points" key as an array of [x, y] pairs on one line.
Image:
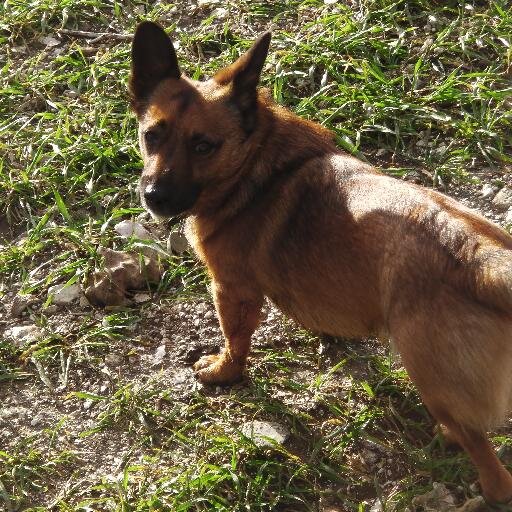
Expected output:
{"points": [[169, 200]]}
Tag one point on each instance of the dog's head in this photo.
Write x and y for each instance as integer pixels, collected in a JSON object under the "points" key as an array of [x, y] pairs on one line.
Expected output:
{"points": [[193, 135]]}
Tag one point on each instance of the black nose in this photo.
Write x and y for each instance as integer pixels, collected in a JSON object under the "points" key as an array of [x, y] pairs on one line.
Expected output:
{"points": [[154, 196]]}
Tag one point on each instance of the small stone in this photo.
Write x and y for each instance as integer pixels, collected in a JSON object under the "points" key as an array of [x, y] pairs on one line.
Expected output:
{"points": [[113, 360], [128, 228], [264, 433], [20, 303], [141, 297], [503, 199], [22, 334], [36, 420], [439, 499], [63, 295], [474, 505], [220, 13], [177, 243], [159, 355], [83, 302], [50, 41], [488, 191], [376, 506], [87, 405], [508, 216]]}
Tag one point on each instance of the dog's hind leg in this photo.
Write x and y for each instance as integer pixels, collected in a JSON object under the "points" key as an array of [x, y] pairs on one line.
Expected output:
{"points": [[495, 480], [459, 354]]}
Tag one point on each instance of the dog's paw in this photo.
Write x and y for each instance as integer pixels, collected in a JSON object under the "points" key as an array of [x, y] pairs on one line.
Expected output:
{"points": [[218, 369]]}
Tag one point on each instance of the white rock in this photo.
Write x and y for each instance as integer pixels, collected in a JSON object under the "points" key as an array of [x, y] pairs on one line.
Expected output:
{"points": [[264, 433], [50, 41], [503, 199], [508, 216], [87, 405], [439, 499], [113, 360], [63, 295], [141, 297], [83, 302], [376, 506], [487, 191], [159, 355], [22, 334], [128, 228], [177, 243], [220, 13]]}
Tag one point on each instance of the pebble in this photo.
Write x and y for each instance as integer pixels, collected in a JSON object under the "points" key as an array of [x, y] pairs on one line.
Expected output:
{"points": [[128, 228], [439, 499], [265, 433], [159, 355], [113, 360], [22, 334], [63, 295], [141, 297], [488, 191], [503, 199], [20, 303]]}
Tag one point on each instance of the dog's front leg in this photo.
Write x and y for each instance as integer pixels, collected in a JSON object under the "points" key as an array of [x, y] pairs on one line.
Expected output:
{"points": [[239, 312]]}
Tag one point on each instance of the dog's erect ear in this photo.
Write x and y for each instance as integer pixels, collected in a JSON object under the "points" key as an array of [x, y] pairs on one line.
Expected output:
{"points": [[153, 60], [244, 75]]}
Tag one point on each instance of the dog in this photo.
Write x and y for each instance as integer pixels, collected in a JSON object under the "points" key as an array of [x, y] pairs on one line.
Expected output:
{"points": [[274, 209]]}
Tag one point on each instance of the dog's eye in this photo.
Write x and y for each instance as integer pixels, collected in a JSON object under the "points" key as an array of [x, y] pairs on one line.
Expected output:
{"points": [[151, 137], [203, 148]]}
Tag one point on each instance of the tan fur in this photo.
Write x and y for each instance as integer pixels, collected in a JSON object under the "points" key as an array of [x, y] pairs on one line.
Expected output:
{"points": [[343, 249]]}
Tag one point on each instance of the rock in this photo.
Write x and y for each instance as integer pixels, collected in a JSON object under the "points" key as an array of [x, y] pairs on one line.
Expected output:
{"points": [[63, 295], [138, 298], [488, 191], [20, 303], [113, 360], [503, 199], [83, 302], [439, 499], [87, 404], [158, 356], [128, 228], [206, 3], [508, 216], [122, 272], [50, 41], [265, 433], [22, 334], [220, 13], [475, 505], [376, 506], [177, 243]]}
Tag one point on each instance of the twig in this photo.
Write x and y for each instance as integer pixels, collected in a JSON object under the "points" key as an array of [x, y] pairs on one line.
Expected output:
{"points": [[96, 36]]}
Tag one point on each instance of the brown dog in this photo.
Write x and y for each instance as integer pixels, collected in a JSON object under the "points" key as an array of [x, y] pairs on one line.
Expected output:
{"points": [[276, 210]]}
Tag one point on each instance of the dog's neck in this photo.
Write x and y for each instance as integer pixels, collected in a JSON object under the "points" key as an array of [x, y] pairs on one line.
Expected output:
{"points": [[280, 142]]}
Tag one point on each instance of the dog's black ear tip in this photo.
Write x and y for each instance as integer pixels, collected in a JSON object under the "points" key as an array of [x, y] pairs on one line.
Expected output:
{"points": [[147, 30], [264, 39]]}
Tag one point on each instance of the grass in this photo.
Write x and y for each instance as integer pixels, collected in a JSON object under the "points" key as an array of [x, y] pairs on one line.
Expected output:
{"points": [[412, 86]]}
